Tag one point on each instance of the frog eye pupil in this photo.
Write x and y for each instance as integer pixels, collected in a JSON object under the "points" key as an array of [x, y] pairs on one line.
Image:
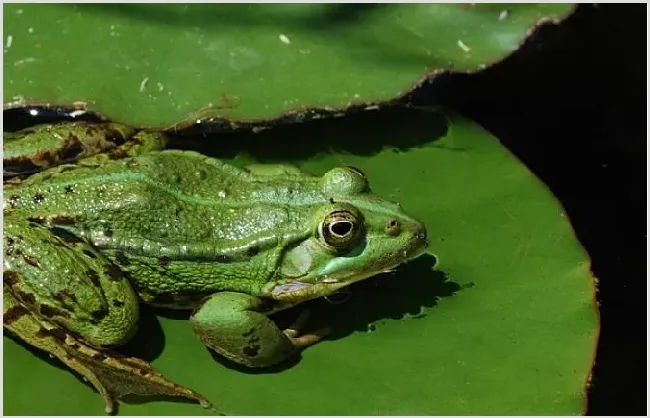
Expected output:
{"points": [[341, 228]]}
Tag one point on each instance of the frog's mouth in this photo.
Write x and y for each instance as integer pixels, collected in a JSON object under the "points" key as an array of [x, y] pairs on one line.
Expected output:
{"points": [[297, 290]]}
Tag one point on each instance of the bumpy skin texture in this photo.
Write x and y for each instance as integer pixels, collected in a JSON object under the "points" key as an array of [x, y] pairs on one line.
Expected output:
{"points": [[129, 222]]}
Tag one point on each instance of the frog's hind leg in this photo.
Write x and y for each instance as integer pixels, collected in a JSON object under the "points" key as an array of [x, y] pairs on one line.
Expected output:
{"points": [[37, 148], [61, 295], [24, 325], [67, 282], [112, 375]]}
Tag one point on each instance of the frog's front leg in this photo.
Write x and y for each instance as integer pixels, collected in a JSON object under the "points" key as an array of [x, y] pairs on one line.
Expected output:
{"points": [[233, 325], [64, 297]]}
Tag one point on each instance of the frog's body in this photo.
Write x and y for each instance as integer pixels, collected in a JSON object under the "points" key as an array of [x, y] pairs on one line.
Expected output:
{"points": [[128, 222]]}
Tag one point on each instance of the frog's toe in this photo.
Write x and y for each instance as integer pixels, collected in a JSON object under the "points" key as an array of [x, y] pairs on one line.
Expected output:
{"points": [[298, 339], [294, 329], [307, 339], [109, 406]]}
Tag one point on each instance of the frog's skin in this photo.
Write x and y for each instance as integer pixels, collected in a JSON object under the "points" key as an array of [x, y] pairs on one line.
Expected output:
{"points": [[99, 218]]}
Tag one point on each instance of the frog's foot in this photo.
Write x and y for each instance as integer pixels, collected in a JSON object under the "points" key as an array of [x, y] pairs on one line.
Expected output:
{"points": [[115, 376], [306, 339]]}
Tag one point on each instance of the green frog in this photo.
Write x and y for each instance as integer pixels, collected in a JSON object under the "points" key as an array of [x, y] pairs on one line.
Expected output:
{"points": [[100, 217]]}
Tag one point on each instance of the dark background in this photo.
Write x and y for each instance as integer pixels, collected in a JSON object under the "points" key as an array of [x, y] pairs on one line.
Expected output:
{"points": [[571, 104]]}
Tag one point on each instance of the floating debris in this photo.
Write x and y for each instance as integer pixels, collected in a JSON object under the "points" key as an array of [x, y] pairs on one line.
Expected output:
{"points": [[10, 40], [504, 14], [79, 104], [24, 61], [464, 47], [284, 39], [16, 101], [76, 113], [143, 84]]}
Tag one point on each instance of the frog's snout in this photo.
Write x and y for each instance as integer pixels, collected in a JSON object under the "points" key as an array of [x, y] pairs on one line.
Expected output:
{"points": [[420, 234], [419, 241]]}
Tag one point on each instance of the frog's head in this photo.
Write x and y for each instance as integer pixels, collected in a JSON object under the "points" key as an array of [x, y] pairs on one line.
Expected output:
{"points": [[354, 235]]}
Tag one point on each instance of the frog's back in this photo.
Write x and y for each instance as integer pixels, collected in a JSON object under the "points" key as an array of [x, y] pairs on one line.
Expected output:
{"points": [[162, 201], [185, 174]]}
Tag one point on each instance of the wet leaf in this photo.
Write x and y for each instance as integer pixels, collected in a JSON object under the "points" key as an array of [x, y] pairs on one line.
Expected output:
{"points": [[148, 64], [501, 322]]}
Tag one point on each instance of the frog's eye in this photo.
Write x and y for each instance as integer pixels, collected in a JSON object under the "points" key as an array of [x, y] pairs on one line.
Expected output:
{"points": [[341, 230]]}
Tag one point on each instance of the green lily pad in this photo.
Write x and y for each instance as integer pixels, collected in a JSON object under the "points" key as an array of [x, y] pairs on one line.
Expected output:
{"points": [[501, 322], [155, 64]]}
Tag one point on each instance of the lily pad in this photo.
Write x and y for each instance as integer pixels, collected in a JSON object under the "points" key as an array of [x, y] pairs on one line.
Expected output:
{"points": [[501, 322], [155, 64]]}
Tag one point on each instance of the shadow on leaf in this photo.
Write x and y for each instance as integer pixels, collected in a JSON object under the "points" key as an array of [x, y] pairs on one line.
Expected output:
{"points": [[284, 139], [363, 133], [148, 343], [207, 15]]}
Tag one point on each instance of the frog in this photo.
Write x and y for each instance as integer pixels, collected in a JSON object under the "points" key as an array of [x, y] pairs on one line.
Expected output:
{"points": [[101, 218]]}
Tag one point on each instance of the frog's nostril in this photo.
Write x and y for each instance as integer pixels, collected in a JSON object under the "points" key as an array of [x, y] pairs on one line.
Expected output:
{"points": [[420, 233]]}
